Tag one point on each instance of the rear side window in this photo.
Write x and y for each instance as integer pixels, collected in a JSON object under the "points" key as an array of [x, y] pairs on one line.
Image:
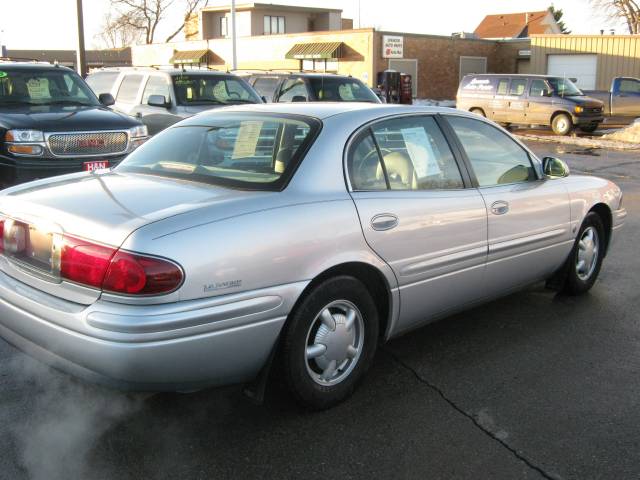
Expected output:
{"points": [[266, 87], [503, 87], [337, 89], [156, 85], [293, 90], [517, 86], [407, 153], [101, 82], [495, 157], [129, 87]]}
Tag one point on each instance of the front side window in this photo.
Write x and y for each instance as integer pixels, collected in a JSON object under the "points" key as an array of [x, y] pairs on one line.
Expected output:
{"points": [[43, 87], [101, 82], [517, 86], [337, 89], [194, 89], [247, 151], [408, 153], [128, 91], [293, 90], [495, 157], [156, 85], [539, 88]]}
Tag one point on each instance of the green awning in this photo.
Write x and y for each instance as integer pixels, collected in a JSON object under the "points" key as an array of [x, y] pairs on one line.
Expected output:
{"points": [[308, 51], [190, 56]]}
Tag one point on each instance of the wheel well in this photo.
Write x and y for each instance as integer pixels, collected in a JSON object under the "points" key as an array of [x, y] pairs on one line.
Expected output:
{"points": [[472, 109], [370, 276], [560, 112], [604, 212]]}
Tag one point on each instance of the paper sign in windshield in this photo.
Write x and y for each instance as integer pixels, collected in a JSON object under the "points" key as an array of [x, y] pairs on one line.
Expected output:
{"points": [[421, 152], [247, 139], [38, 88]]}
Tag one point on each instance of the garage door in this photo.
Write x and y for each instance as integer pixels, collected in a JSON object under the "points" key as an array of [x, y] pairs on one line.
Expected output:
{"points": [[409, 66], [582, 67]]}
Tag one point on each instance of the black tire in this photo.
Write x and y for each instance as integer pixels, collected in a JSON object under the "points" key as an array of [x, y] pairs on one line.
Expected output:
{"points": [[589, 128], [562, 124], [298, 369], [478, 111], [575, 283]]}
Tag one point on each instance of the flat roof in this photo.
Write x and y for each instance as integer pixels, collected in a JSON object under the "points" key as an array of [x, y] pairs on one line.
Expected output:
{"points": [[268, 6]]}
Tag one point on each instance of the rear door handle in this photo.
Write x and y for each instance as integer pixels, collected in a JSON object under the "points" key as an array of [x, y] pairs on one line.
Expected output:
{"points": [[500, 207], [384, 221]]}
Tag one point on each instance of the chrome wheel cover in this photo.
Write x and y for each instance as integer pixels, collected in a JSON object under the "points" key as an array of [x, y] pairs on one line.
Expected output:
{"points": [[334, 343], [588, 250]]}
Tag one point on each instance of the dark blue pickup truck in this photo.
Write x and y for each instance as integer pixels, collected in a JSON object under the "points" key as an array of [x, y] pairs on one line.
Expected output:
{"points": [[621, 102], [51, 123]]}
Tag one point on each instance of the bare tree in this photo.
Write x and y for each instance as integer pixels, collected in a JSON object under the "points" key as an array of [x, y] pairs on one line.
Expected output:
{"points": [[625, 10], [144, 16], [117, 34]]}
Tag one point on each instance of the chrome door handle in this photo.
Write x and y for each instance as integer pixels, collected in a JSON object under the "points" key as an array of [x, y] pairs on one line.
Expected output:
{"points": [[500, 207], [384, 221]]}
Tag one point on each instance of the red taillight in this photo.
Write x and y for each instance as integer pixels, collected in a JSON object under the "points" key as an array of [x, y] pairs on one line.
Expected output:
{"points": [[139, 275], [117, 271], [84, 262]]}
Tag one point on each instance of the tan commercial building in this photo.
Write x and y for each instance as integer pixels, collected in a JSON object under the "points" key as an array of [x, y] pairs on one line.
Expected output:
{"points": [[594, 60]]}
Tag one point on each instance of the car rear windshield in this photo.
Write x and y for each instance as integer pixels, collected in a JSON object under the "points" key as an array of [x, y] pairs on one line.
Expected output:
{"points": [[328, 89], [43, 87], [564, 87], [248, 151], [194, 89]]}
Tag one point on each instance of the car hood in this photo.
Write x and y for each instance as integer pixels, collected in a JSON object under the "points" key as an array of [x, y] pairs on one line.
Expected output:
{"points": [[58, 118], [585, 101], [108, 207], [188, 110]]}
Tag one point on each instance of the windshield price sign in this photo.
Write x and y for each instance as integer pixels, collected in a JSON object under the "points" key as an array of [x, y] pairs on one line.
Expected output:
{"points": [[392, 46]]}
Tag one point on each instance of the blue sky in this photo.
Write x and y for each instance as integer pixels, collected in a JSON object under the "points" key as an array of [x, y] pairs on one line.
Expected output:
{"points": [[53, 26]]}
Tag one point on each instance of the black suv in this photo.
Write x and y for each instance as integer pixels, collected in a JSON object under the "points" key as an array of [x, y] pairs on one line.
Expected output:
{"points": [[310, 87], [51, 123]]}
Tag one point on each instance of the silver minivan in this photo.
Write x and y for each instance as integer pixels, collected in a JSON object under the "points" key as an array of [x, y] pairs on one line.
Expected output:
{"points": [[530, 100]]}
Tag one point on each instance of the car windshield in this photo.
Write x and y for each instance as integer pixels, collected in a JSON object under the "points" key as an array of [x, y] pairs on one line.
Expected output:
{"points": [[328, 89], [43, 87], [564, 87], [250, 151], [194, 89]]}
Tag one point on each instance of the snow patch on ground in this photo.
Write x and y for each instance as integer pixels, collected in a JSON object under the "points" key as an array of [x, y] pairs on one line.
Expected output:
{"points": [[583, 142], [630, 134]]}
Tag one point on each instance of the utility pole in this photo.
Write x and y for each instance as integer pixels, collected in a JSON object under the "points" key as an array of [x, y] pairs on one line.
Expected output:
{"points": [[234, 61], [81, 62]]}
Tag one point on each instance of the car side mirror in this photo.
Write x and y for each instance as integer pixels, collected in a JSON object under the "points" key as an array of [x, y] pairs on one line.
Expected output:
{"points": [[158, 101], [106, 99], [264, 99], [554, 167], [299, 98]]}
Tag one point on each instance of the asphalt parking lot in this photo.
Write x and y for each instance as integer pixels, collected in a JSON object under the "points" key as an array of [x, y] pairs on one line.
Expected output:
{"points": [[535, 385]]}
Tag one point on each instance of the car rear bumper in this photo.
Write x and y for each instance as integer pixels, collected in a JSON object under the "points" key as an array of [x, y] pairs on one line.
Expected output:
{"points": [[170, 347], [14, 170]]}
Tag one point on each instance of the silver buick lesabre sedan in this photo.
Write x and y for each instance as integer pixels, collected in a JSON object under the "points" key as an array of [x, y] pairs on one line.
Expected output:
{"points": [[288, 236]]}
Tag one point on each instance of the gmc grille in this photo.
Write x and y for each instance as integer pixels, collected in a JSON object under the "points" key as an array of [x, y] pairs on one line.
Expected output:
{"points": [[98, 143]]}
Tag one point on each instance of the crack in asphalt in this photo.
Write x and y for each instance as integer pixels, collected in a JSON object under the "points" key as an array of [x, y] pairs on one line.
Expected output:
{"points": [[474, 420]]}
